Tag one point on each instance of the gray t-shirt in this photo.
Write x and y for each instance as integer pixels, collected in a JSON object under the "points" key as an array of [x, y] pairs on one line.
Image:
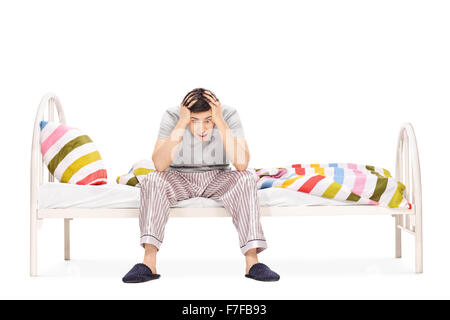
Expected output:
{"points": [[194, 155]]}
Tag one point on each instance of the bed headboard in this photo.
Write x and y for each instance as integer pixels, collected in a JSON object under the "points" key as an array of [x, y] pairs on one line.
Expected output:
{"points": [[46, 111]]}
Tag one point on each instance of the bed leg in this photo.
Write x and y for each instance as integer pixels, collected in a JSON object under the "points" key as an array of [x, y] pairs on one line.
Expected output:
{"points": [[67, 239], [33, 247], [398, 237], [419, 244], [419, 257]]}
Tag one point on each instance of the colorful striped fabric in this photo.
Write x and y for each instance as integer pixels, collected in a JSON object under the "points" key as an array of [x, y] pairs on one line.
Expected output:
{"points": [[362, 184], [128, 179], [137, 171], [70, 155]]}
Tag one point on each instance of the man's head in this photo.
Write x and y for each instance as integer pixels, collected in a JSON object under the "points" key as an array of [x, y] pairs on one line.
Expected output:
{"points": [[201, 124]]}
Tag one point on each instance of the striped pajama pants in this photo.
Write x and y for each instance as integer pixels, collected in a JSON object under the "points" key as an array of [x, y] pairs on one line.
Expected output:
{"points": [[236, 190]]}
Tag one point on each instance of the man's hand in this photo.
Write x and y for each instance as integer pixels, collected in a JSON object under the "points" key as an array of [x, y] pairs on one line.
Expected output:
{"points": [[185, 113], [216, 108]]}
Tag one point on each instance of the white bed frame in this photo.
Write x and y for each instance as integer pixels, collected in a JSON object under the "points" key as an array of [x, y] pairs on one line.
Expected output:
{"points": [[407, 170]]}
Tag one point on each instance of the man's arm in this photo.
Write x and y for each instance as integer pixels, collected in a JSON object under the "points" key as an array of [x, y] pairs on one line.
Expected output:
{"points": [[165, 149], [167, 144], [235, 147]]}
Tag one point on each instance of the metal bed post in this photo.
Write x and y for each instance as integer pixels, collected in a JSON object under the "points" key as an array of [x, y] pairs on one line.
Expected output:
{"points": [[408, 171], [37, 169]]}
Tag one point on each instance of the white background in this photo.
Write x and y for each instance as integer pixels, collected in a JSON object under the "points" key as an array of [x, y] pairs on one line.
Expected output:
{"points": [[313, 81]]}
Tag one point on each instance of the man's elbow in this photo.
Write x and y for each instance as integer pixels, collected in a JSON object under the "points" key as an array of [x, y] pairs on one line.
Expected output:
{"points": [[241, 167], [158, 166], [160, 169]]}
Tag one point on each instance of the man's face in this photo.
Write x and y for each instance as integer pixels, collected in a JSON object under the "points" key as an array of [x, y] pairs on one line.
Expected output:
{"points": [[201, 125]]}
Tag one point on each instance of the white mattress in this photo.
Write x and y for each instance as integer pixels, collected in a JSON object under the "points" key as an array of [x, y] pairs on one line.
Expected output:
{"points": [[65, 195]]}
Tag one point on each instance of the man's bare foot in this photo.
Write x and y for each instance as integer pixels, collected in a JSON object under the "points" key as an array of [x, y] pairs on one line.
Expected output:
{"points": [[152, 267], [251, 258], [150, 257]]}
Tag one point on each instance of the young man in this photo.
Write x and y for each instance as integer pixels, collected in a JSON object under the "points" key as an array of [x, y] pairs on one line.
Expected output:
{"points": [[191, 158]]}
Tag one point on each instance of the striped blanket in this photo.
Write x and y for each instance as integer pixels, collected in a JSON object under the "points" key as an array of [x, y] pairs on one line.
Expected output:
{"points": [[137, 171], [361, 184]]}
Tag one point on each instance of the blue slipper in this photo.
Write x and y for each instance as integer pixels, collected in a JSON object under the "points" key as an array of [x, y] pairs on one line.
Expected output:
{"points": [[140, 273], [261, 272]]}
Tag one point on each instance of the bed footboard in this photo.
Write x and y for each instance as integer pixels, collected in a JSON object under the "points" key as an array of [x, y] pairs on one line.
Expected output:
{"points": [[407, 170]]}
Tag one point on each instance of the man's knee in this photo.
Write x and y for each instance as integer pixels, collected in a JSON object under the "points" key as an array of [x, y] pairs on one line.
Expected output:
{"points": [[157, 177], [247, 175]]}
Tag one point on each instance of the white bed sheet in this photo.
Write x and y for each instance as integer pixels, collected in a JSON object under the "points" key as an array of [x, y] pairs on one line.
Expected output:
{"points": [[112, 195]]}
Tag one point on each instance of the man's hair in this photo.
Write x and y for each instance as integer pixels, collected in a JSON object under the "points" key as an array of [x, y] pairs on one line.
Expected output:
{"points": [[201, 104]]}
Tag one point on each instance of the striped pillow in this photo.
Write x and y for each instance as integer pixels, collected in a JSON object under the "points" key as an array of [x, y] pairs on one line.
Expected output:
{"points": [[70, 155]]}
